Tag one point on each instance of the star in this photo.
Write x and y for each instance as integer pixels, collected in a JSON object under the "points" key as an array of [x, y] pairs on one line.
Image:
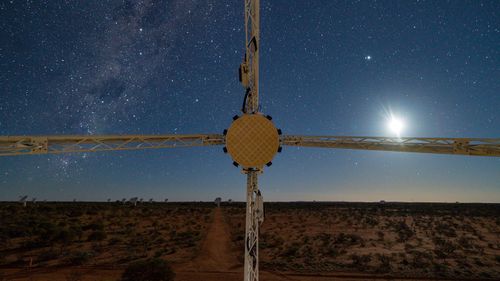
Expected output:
{"points": [[138, 68]]}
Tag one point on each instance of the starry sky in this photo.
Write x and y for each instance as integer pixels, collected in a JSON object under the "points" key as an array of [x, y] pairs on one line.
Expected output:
{"points": [[327, 68]]}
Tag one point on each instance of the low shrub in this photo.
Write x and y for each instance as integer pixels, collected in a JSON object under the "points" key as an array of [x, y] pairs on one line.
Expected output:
{"points": [[149, 270], [47, 255], [79, 258], [97, 235]]}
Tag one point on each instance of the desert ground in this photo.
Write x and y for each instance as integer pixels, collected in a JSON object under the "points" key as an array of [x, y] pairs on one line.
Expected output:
{"points": [[299, 240]]}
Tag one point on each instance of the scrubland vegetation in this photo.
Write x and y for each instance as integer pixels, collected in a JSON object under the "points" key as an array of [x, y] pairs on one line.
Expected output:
{"points": [[455, 241], [418, 240], [100, 234]]}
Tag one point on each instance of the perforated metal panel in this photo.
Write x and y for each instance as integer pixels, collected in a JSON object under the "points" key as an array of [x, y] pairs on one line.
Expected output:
{"points": [[252, 140]]}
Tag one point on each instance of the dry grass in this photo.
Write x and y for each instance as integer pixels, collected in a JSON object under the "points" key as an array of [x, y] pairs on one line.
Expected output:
{"points": [[458, 241], [102, 234], [424, 240]]}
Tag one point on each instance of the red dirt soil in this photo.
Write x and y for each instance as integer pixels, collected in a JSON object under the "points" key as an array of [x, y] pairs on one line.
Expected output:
{"points": [[217, 261], [216, 253]]}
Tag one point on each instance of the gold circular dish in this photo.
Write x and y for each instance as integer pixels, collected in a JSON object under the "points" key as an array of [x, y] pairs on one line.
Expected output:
{"points": [[252, 140]]}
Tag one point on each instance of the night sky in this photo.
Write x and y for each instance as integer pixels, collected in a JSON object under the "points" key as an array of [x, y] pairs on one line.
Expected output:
{"points": [[327, 68]]}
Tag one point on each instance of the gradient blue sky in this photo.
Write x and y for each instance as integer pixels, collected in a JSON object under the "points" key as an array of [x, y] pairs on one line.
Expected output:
{"points": [[160, 67]]}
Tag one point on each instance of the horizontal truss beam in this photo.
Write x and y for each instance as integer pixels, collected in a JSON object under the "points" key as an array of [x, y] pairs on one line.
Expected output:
{"points": [[462, 146], [22, 145]]}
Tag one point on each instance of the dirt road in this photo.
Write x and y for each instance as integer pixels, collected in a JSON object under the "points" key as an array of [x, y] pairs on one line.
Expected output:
{"points": [[216, 261], [216, 253]]}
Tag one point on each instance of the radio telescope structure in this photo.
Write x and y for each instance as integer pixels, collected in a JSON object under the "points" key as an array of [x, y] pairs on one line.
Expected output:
{"points": [[23, 199], [251, 140], [133, 201], [217, 201]]}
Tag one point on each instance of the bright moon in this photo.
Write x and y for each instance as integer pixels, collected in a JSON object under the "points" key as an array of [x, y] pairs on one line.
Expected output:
{"points": [[396, 125]]}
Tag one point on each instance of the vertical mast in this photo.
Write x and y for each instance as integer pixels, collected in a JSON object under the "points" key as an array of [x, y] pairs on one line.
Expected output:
{"points": [[254, 217], [249, 69], [249, 77]]}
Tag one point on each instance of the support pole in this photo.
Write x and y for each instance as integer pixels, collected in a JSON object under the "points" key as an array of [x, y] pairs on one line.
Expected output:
{"points": [[249, 70], [254, 216]]}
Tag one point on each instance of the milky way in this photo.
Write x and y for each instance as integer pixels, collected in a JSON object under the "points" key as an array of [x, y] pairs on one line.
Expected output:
{"points": [[327, 68]]}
